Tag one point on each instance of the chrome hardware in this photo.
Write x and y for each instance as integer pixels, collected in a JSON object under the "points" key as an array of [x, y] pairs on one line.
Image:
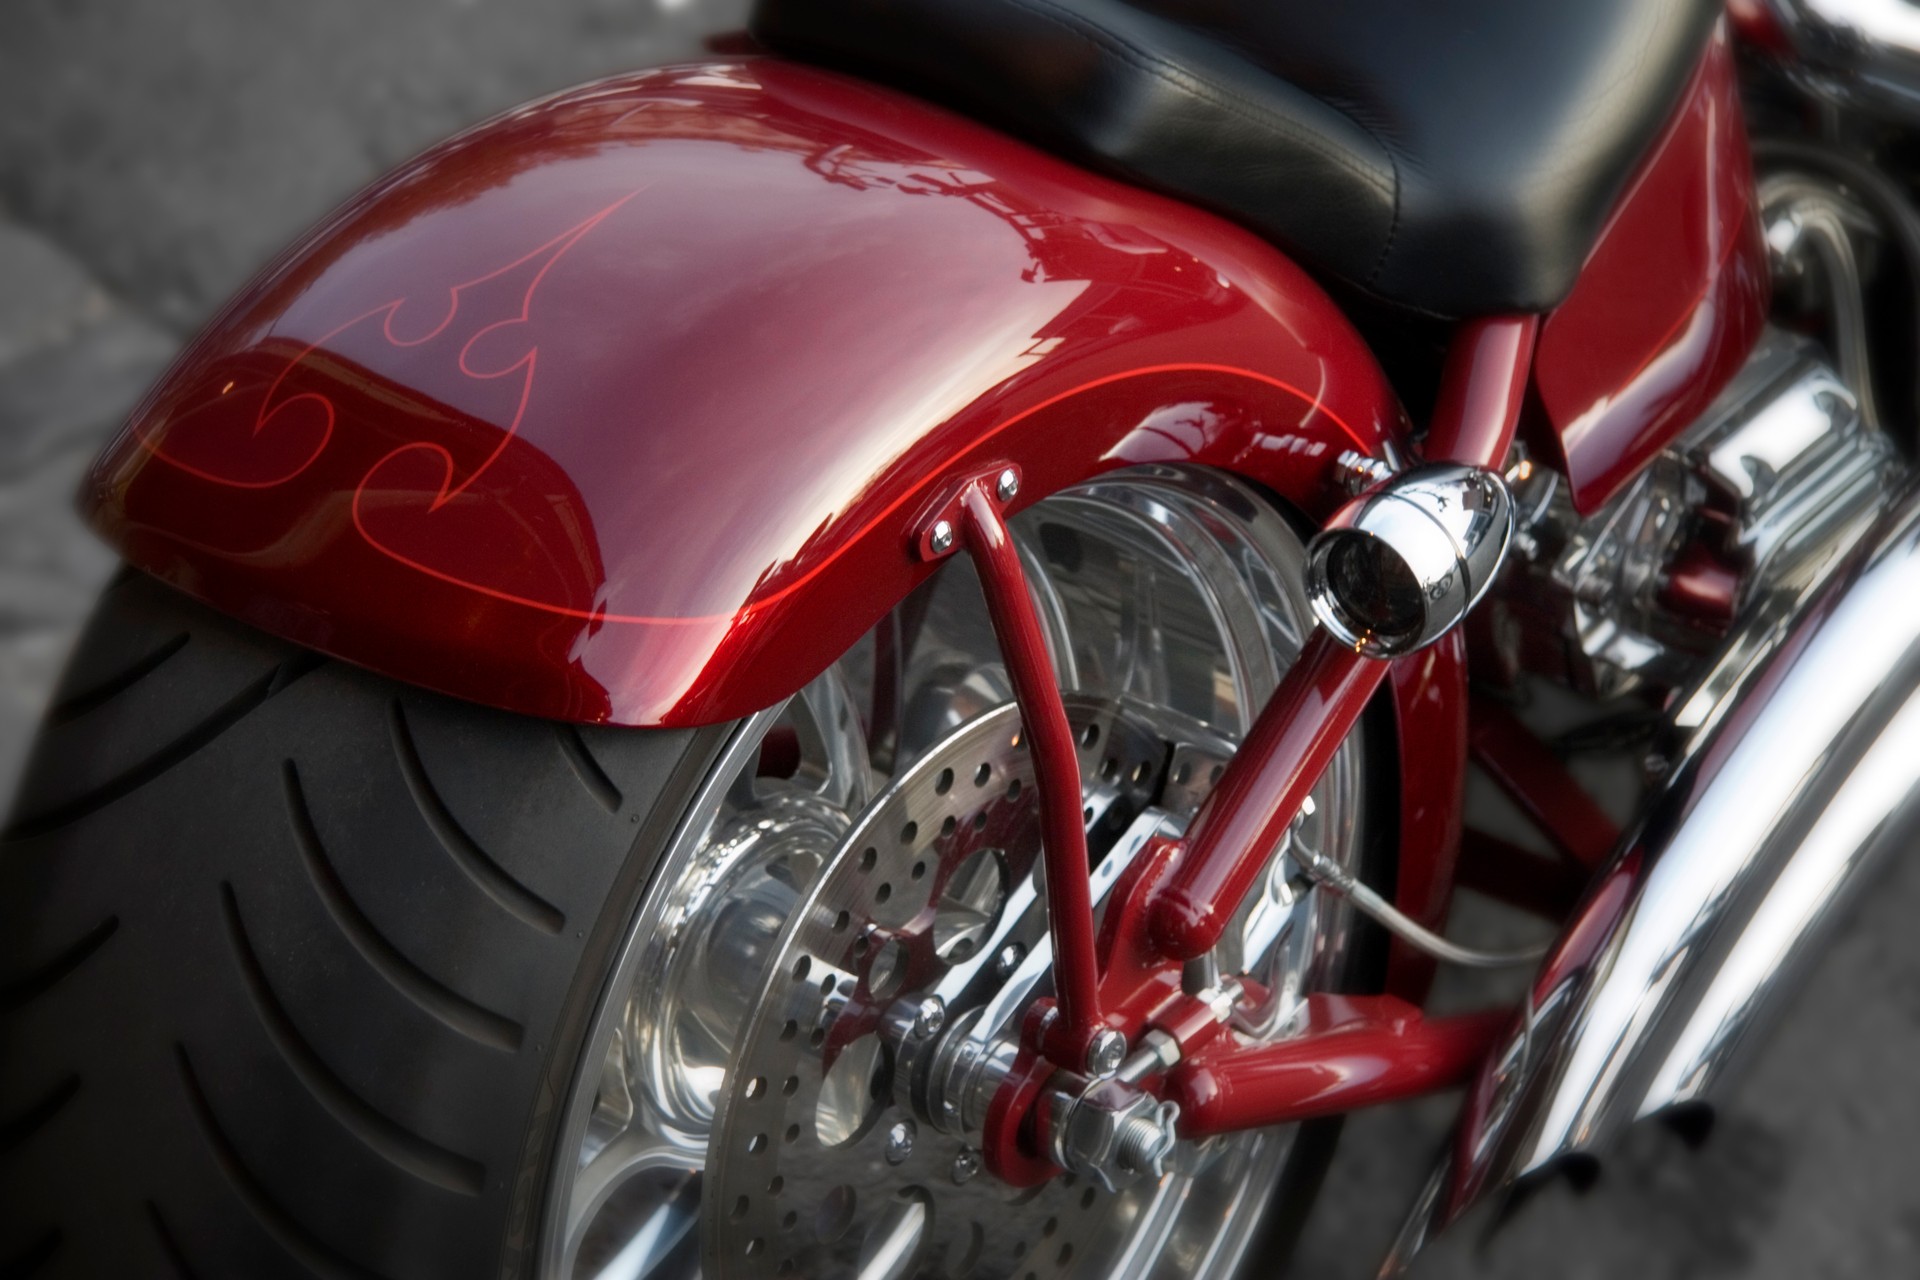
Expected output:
{"points": [[1106, 1053], [1112, 1134], [1008, 485], [1400, 566], [1768, 825], [1784, 455], [900, 1142], [941, 539], [1359, 473], [1858, 53], [966, 1166]]}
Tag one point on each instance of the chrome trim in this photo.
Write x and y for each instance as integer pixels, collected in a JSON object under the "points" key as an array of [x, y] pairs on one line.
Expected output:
{"points": [[1858, 53], [1447, 526], [1772, 819]]}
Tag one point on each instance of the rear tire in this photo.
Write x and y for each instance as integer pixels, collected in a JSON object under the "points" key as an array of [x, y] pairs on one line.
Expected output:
{"points": [[285, 948]]}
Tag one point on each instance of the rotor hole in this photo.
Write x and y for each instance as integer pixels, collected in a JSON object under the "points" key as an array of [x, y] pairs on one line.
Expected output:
{"points": [[756, 1144], [969, 906], [948, 827], [1019, 1250], [868, 858], [1090, 735], [982, 774], [1086, 814], [792, 1134], [1066, 1253], [888, 971], [884, 892], [818, 1038], [756, 1087], [919, 871], [827, 985], [1213, 774], [1182, 774], [789, 1029], [861, 944], [1141, 772], [835, 1214], [790, 1087], [898, 1235], [1052, 1225], [841, 921], [740, 1208], [910, 833], [943, 783], [787, 1267], [754, 1246], [776, 1185], [1109, 769], [1013, 789], [801, 968], [1087, 1198], [789, 1220]]}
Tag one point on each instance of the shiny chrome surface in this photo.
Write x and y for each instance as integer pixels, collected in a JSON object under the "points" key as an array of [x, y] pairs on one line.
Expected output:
{"points": [[1775, 814], [1784, 454], [1171, 600], [1860, 53], [1400, 566]]}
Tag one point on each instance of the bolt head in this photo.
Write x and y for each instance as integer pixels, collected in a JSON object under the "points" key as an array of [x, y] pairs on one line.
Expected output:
{"points": [[1106, 1053], [966, 1166], [1008, 485], [1009, 959], [900, 1142], [929, 1017], [941, 539]]}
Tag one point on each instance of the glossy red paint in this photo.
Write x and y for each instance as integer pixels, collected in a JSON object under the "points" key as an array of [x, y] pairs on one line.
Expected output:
{"points": [[1231, 839], [1056, 765], [1670, 302], [1482, 389], [622, 407], [1526, 769], [1429, 691], [1357, 1051]]}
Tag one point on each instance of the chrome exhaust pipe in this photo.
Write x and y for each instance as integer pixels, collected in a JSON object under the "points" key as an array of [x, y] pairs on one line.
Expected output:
{"points": [[1796, 785]]}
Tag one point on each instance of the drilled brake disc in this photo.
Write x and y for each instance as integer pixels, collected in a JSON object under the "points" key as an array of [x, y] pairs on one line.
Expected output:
{"points": [[815, 1167]]}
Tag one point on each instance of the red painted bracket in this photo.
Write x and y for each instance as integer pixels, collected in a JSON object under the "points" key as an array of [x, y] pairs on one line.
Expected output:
{"points": [[1359, 1051]]}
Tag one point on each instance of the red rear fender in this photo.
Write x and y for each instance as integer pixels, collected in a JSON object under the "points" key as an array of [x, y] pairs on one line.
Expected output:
{"points": [[622, 407]]}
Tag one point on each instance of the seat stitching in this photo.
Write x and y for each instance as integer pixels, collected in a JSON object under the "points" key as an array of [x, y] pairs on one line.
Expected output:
{"points": [[1224, 98]]}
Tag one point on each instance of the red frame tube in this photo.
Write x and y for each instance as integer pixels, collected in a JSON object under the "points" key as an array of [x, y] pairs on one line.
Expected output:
{"points": [[1526, 770], [1360, 1052], [1233, 836], [1056, 771], [1481, 390]]}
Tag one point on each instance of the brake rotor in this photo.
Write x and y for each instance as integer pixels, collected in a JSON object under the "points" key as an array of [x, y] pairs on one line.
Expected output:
{"points": [[815, 1168]]}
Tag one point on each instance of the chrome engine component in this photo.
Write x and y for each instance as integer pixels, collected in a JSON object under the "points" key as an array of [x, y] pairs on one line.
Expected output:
{"points": [[1857, 53], [1400, 566], [1770, 822], [1780, 476]]}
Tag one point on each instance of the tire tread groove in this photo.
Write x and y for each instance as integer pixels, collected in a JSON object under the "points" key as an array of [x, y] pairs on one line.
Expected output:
{"points": [[101, 692], [489, 876], [379, 1133], [318, 1258], [21, 992], [467, 1018]]}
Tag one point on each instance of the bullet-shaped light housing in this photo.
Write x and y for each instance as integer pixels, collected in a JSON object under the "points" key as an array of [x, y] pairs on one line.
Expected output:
{"points": [[1400, 566]]}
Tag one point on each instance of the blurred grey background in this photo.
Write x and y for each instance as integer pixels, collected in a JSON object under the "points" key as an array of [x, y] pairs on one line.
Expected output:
{"points": [[153, 155]]}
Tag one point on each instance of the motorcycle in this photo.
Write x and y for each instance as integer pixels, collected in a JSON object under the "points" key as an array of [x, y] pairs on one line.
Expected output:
{"points": [[860, 657]]}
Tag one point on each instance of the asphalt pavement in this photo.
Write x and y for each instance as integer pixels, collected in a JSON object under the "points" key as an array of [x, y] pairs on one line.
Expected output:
{"points": [[152, 156]]}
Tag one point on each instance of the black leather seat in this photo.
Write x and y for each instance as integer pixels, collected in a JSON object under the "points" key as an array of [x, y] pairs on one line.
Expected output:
{"points": [[1453, 156]]}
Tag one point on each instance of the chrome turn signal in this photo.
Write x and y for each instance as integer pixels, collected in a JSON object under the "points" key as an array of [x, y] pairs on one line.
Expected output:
{"points": [[1400, 566]]}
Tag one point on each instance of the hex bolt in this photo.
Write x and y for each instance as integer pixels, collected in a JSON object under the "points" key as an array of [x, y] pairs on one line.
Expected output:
{"points": [[1009, 959], [929, 1017], [1106, 1052], [966, 1166], [1144, 1142], [900, 1142], [1008, 485], [941, 540]]}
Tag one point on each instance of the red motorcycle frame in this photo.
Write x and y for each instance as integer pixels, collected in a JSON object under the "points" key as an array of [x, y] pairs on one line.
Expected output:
{"points": [[640, 405]]}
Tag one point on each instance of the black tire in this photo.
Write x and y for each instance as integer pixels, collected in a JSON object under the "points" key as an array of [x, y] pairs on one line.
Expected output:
{"points": [[295, 961], [285, 951]]}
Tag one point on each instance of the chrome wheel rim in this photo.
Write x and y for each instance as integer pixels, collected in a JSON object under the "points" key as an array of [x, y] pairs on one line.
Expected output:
{"points": [[736, 1112]]}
